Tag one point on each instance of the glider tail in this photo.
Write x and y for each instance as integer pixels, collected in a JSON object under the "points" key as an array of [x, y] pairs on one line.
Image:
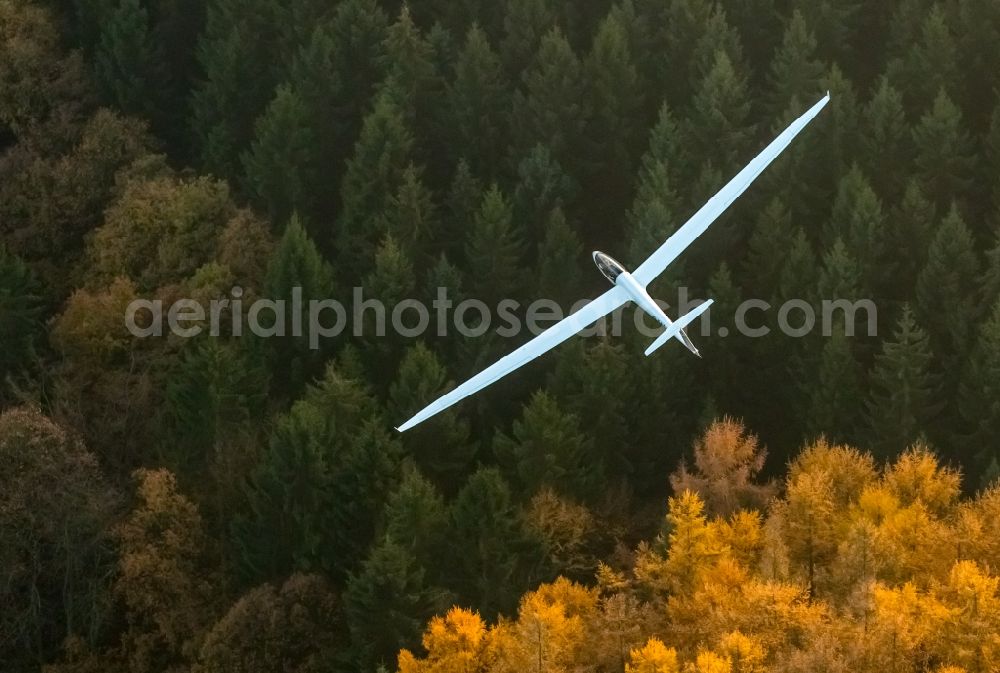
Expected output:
{"points": [[677, 329]]}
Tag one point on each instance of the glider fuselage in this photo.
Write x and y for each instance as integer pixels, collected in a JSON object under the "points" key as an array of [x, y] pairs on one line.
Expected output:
{"points": [[613, 270]]}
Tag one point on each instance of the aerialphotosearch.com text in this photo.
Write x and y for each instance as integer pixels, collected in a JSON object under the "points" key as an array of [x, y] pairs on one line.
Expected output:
{"points": [[319, 319]]}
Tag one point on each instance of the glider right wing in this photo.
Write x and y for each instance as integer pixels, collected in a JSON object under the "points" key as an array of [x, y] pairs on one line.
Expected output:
{"points": [[542, 343], [716, 205]]}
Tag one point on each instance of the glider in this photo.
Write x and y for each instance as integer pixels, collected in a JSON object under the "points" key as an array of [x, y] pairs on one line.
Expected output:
{"points": [[629, 286]]}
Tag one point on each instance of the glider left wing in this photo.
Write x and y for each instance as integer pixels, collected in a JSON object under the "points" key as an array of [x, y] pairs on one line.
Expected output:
{"points": [[545, 341]]}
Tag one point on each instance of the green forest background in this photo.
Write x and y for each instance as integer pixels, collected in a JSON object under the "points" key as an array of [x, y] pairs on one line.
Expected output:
{"points": [[242, 504]]}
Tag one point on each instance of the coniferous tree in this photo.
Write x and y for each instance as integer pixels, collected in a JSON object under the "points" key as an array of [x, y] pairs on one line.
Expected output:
{"points": [[541, 186], [795, 71], [550, 107], [126, 59], [490, 550], [411, 216], [616, 97], [762, 267], [908, 237], [944, 159], [416, 518], [931, 65], [524, 24], [902, 401], [546, 448], [980, 399], [281, 164], [718, 35], [946, 294], [374, 172], [493, 250], [559, 256], [858, 220], [386, 603], [478, 103], [440, 446], [296, 274], [885, 140]]}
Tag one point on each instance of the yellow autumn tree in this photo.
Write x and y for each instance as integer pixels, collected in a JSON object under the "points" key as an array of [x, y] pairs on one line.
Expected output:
{"points": [[455, 643], [653, 657]]}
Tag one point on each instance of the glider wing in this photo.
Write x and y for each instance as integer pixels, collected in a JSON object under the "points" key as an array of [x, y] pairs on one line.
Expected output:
{"points": [[545, 341], [716, 205]]}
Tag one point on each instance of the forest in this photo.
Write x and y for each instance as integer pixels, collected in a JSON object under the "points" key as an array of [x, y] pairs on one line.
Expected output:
{"points": [[813, 503]]}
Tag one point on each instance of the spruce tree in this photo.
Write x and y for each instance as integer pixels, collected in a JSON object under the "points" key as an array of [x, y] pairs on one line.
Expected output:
{"points": [[126, 59], [464, 196], [494, 251], [616, 98], [795, 70], [417, 518], [411, 216], [441, 446], [281, 164], [910, 228], [885, 140], [718, 126], [858, 220], [488, 546], [374, 172], [944, 158], [931, 65], [761, 269], [946, 292], [902, 399], [524, 24], [547, 448], [386, 603], [559, 255], [542, 184], [550, 107], [296, 269], [980, 399], [835, 393], [478, 104]]}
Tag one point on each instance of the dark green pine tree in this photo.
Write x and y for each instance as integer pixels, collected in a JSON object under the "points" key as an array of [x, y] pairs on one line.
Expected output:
{"points": [[717, 35], [411, 216], [281, 165], [494, 251], [524, 24], [730, 353], [440, 446], [478, 105], [214, 396], [979, 397], [547, 448], [464, 197], [542, 185], [944, 158], [374, 173], [885, 140], [677, 26], [550, 106], [657, 207], [492, 557], [947, 299], [718, 127], [909, 228], [835, 24], [126, 59], [417, 518], [386, 602], [296, 272], [838, 141], [559, 255], [586, 370], [236, 52], [314, 497], [840, 277], [799, 276], [858, 220], [795, 70], [929, 66], [835, 392], [391, 281], [976, 25], [902, 400], [616, 98], [21, 318], [761, 270], [412, 77]]}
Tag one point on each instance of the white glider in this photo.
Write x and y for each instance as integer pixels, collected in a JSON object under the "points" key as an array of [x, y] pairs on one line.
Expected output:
{"points": [[629, 286]]}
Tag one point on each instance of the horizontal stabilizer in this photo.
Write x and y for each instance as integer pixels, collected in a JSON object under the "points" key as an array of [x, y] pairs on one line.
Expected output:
{"points": [[676, 328]]}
